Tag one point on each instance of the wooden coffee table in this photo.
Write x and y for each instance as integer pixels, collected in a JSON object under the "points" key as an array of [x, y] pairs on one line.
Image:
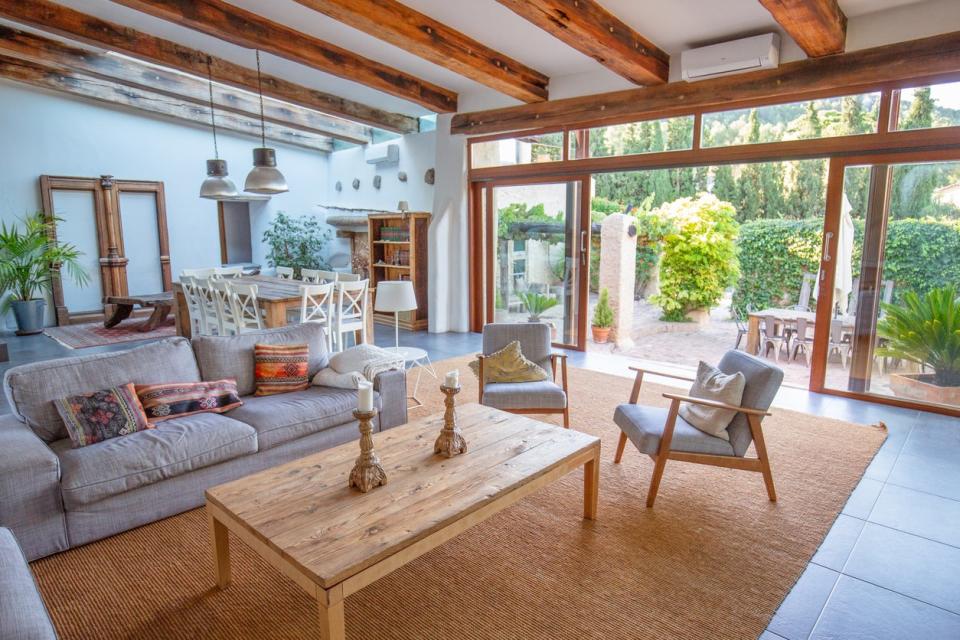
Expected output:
{"points": [[332, 541]]}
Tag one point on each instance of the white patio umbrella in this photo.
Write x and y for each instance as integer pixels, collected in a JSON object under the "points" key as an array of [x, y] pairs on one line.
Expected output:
{"points": [[843, 274]]}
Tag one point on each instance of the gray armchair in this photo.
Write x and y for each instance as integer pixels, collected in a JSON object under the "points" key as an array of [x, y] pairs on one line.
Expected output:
{"points": [[544, 397], [663, 435]]}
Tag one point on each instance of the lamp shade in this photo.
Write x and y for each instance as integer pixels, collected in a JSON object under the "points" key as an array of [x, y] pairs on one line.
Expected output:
{"points": [[218, 185], [395, 295], [265, 177]]}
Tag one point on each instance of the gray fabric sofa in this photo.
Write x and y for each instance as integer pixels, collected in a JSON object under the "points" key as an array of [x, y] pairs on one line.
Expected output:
{"points": [[55, 497], [23, 615]]}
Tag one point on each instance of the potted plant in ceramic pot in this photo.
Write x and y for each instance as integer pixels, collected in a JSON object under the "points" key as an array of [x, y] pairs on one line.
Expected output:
{"points": [[602, 318], [30, 258], [924, 330]]}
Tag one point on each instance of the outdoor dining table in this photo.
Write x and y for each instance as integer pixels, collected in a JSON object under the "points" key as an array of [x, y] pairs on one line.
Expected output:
{"points": [[784, 317], [274, 295]]}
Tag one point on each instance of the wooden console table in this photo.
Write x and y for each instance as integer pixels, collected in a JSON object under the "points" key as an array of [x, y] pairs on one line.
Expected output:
{"points": [[333, 541], [161, 303]]}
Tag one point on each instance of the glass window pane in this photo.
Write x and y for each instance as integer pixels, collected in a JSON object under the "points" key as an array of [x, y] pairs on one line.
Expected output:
{"points": [[929, 107], [649, 136], [545, 147]]}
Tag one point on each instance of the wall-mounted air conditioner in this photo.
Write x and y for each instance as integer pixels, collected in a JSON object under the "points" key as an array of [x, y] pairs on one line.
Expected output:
{"points": [[737, 56], [382, 154]]}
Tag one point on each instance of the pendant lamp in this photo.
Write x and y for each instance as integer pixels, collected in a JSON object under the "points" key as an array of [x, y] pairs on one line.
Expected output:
{"points": [[264, 177], [217, 186]]}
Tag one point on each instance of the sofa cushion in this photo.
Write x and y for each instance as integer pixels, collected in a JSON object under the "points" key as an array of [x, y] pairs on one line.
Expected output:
{"points": [[101, 415], [644, 426], [166, 401], [288, 416], [173, 448], [22, 613], [32, 388], [281, 368], [222, 357]]}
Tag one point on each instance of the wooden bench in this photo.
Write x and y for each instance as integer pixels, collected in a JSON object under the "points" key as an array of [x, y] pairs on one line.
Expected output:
{"points": [[161, 303]]}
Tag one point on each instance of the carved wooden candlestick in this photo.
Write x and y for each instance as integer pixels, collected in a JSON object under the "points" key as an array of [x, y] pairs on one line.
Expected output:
{"points": [[450, 442], [367, 473]]}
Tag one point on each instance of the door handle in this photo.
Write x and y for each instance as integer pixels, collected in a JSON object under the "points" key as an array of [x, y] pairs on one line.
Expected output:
{"points": [[826, 246], [583, 248]]}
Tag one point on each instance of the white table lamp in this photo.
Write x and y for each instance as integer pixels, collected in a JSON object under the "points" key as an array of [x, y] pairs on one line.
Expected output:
{"points": [[395, 296]]}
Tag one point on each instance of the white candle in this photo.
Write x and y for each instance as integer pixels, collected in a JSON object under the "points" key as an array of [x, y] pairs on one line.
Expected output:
{"points": [[452, 381], [365, 396]]}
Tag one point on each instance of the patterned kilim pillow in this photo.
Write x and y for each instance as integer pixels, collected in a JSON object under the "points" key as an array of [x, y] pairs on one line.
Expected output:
{"points": [[165, 401], [280, 368], [98, 416]]}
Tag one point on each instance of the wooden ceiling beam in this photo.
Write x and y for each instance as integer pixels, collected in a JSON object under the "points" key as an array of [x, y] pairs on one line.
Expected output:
{"points": [[928, 59], [64, 80], [818, 26], [69, 23], [247, 29], [29, 46], [590, 29], [423, 36]]}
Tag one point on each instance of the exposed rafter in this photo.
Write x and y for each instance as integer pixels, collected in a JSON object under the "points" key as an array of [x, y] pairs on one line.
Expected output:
{"points": [[75, 83], [589, 28], [927, 59], [423, 36], [72, 24], [247, 29], [29, 46], [818, 26]]}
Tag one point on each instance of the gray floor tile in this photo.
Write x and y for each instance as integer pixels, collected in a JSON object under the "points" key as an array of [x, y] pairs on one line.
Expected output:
{"points": [[838, 544], [925, 472], [857, 610], [935, 437], [882, 464], [919, 513], [798, 613], [910, 565], [770, 635], [862, 499]]}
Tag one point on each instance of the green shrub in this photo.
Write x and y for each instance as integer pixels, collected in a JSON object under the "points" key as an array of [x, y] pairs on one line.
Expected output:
{"points": [[296, 241], [602, 313], [699, 258]]}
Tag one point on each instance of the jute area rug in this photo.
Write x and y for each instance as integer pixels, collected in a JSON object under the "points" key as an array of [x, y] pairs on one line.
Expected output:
{"points": [[94, 334], [713, 559]]}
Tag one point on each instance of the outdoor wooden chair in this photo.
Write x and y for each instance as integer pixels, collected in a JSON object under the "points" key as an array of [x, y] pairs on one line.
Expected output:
{"points": [[542, 397], [663, 435]]}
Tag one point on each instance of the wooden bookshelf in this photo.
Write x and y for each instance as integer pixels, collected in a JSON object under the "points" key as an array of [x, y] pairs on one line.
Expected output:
{"points": [[398, 251]]}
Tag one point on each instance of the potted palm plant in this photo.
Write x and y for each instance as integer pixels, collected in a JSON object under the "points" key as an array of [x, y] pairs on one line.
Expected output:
{"points": [[602, 318], [924, 330], [536, 304], [29, 258]]}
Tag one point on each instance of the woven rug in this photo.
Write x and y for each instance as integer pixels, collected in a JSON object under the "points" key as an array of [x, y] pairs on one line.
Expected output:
{"points": [[712, 560], [94, 334]]}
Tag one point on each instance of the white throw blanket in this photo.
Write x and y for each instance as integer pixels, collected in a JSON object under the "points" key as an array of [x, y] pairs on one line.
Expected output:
{"points": [[350, 367]]}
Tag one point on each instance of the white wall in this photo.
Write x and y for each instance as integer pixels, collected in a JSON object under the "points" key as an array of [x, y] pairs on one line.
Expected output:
{"points": [[50, 133]]}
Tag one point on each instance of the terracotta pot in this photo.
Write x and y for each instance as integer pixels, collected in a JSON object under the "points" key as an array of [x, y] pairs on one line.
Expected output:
{"points": [[919, 386], [600, 334]]}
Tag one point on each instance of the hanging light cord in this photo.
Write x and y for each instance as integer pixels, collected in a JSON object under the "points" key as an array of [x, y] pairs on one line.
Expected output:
{"points": [[213, 120], [263, 130]]}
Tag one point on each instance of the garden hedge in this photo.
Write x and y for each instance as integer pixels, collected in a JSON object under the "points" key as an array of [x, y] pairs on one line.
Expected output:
{"points": [[921, 254]]}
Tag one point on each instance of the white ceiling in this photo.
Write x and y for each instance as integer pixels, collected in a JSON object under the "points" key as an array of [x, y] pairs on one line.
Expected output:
{"points": [[674, 26]]}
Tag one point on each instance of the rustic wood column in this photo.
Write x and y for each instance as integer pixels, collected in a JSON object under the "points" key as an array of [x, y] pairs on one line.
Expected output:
{"points": [[113, 267]]}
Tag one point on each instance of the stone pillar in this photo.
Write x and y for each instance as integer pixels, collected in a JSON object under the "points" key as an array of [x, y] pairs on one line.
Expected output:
{"points": [[618, 273]]}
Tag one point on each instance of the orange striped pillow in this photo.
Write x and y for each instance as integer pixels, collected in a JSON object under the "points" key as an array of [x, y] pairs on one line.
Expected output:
{"points": [[281, 368]]}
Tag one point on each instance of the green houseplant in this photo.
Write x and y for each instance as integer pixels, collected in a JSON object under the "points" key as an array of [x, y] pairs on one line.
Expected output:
{"points": [[30, 257], [602, 318], [296, 241], [924, 330], [536, 304]]}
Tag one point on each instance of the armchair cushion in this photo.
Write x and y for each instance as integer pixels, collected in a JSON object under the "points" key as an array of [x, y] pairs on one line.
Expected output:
{"points": [[763, 382], [713, 384], [644, 427], [509, 365], [534, 339], [543, 394]]}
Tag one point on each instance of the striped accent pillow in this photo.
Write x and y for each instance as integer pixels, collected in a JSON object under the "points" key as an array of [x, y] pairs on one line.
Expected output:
{"points": [[101, 415], [280, 368], [165, 401]]}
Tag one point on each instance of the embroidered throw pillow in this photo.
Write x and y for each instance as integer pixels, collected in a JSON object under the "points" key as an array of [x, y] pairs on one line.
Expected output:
{"points": [[165, 401], [101, 415], [509, 365], [713, 384], [281, 368]]}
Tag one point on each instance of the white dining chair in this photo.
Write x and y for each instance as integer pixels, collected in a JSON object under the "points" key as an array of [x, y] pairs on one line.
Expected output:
{"points": [[350, 312], [229, 272], [198, 320], [208, 304], [223, 299], [316, 305], [285, 273], [311, 276], [246, 307], [348, 277], [328, 276], [199, 273]]}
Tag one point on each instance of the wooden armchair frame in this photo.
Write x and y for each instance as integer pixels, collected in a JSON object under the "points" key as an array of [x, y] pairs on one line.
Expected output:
{"points": [[759, 464], [554, 357]]}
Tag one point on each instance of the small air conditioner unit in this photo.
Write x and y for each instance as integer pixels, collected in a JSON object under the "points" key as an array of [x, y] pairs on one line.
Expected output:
{"points": [[748, 54], [382, 154]]}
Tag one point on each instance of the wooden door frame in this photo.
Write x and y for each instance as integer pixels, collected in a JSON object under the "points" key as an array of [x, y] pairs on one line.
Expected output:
{"points": [[155, 188], [831, 225], [481, 244]]}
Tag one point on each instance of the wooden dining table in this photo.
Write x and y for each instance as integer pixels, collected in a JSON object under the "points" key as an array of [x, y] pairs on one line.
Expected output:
{"points": [[784, 317], [274, 295]]}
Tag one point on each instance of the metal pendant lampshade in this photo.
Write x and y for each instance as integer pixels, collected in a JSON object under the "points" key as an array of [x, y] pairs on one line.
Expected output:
{"points": [[264, 177], [217, 186]]}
